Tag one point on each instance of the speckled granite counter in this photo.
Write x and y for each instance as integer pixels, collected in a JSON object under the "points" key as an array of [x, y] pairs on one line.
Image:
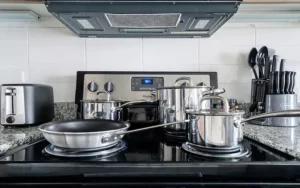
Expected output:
{"points": [[14, 137], [284, 139]]}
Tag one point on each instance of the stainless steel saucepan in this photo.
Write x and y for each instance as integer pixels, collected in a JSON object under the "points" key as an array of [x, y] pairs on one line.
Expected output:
{"points": [[223, 128]]}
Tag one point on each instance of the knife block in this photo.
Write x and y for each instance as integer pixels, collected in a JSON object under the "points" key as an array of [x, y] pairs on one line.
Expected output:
{"points": [[279, 102]]}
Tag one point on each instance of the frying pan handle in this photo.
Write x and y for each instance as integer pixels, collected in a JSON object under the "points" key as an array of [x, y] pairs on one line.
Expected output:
{"points": [[182, 79], [225, 101], [117, 136], [284, 113]]}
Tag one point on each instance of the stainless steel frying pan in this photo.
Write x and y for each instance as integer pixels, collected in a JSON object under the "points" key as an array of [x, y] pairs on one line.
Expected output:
{"points": [[87, 134]]}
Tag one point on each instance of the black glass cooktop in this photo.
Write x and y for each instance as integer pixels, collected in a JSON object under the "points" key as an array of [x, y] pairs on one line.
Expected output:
{"points": [[150, 146]]}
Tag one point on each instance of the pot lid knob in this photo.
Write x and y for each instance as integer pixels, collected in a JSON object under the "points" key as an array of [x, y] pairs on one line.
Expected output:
{"points": [[109, 87]]}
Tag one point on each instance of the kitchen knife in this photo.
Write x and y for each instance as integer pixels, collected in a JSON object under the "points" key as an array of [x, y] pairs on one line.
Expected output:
{"points": [[294, 82], [267, 67], [275, 62], [291, 83], [271, 83], [276, 83], [287, 82], [282, 65], [260, 68], [282, 82]]}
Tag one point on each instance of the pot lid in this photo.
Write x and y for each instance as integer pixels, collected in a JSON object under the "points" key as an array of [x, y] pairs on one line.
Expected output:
{"points": [[216, 112]]}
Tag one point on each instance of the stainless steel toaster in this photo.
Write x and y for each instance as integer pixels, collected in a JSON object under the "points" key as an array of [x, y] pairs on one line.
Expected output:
{"points": [[26, 104]]}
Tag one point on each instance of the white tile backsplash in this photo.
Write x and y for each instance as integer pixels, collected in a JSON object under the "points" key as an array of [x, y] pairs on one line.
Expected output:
{"points": [[55, 45], [53, 55], [14, 74], [64, 92], [54, 73], [114, 54], [13, 46], [170, 54], [278, 36]]}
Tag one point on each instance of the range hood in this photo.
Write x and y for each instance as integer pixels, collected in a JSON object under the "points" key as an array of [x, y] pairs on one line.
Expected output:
{"points": [[143, 18]]}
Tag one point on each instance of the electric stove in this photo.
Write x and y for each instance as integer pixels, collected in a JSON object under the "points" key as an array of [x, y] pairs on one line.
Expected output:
{"points": [[149, 159]]}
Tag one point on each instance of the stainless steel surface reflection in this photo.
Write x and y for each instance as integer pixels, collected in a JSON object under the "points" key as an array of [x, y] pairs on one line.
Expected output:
{"points": [[171, 151], [174, 102]]}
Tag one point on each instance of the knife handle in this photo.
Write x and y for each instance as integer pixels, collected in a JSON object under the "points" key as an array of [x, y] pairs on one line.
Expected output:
{"points": [[267, 67], [287, 82], [294, 82], [282, 65], [275, 62], [276, 84], [291, 83], [282, 82], [271, 83]]}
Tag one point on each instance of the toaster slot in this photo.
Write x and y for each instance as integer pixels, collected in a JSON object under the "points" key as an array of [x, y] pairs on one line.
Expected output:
{"points": [[10, 101]]}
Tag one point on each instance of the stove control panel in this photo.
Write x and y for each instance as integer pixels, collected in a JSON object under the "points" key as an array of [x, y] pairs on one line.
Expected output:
{"points": [[146, 83]]}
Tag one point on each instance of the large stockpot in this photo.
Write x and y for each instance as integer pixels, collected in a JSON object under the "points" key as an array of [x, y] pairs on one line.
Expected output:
{"points": [[223, 128], [175, 100]]}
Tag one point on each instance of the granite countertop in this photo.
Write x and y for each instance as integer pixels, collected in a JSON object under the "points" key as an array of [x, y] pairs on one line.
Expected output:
{"points": [[14, 137], [284, 139]]}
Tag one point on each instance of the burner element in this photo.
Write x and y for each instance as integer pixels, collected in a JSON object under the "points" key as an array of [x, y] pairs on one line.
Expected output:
{"points": [[66, 152], [216, 153]]}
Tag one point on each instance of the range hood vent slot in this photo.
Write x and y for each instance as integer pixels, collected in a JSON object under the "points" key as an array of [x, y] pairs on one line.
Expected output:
{"points": [[138, 31], [143, 20]]}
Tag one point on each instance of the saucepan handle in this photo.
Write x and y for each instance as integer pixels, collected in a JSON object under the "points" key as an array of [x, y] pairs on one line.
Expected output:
{"points": [[225, 102], [184, 79], [285, 113]]}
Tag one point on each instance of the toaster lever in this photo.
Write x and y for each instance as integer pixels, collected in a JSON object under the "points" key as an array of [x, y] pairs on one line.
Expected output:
{"points": [[10, 97]]}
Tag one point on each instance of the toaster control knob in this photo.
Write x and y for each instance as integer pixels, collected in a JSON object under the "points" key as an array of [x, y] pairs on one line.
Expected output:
{"points": [[10, 119], [92, 86], [109, 87]]}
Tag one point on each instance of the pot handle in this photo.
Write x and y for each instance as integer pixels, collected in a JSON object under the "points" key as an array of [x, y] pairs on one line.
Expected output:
{"points": [[130, 103], [184, 78], [107, 94], [284, 113], [225, 101], [214, 92]]}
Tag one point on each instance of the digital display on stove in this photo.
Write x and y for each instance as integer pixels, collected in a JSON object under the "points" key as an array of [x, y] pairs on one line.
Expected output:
{"points": [[147, 81]]}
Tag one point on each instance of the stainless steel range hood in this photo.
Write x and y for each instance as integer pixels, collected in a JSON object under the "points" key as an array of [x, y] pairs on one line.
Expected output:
{"points": [[143, 18]]}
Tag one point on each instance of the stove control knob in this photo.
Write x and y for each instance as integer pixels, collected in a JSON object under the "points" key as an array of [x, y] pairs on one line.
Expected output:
{"points": [[92, 86], [109, 87]]}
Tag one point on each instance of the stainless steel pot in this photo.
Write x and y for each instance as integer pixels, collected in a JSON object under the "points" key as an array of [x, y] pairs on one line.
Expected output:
{"points": [[222, 128], [174, 101], [104, 109]]}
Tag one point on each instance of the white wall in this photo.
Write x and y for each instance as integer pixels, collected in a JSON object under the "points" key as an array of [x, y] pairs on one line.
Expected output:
{"points": [[41, 53]]}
